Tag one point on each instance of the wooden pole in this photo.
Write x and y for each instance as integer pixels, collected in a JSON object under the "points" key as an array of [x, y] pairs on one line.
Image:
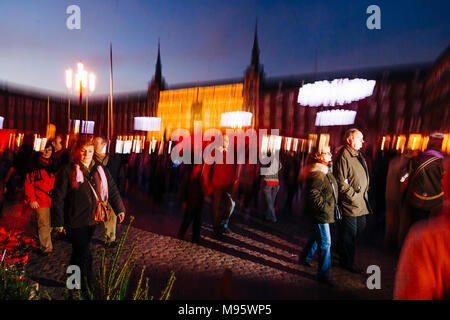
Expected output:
{"points": [[48, 110], [111, 90]]}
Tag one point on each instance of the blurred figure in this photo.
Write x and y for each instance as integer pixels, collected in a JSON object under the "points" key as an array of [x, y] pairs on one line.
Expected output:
{"points": [[77, 187], [222, 184], [424, 193], [6, 161], [352, 175], [247, 176], [62, 155], [423, 271], [321, 200], [271, 187], [38, 185], [192, 198], [15, 178], [397, 219], [113, 165], [290, 176]]}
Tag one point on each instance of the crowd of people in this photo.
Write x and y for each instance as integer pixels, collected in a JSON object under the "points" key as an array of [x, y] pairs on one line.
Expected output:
{"points": [[67, 188]]}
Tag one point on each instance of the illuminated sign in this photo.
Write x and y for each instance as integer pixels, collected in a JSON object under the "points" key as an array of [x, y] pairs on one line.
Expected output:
{"points": [[236, 119], [147, 123], [336, 92], [335, 118]]}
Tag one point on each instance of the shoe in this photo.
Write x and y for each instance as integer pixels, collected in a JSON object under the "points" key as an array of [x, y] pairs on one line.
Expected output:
{"points": [[226, 231], [326, 281], [307, 264]]}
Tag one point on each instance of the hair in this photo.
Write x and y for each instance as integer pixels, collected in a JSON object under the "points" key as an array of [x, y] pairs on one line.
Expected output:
{"points": [[50, 144], [83, 141], [435, 143], [349, 133]]}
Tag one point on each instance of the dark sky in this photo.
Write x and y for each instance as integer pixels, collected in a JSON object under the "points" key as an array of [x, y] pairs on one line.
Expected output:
{"points": [[209, 39]]}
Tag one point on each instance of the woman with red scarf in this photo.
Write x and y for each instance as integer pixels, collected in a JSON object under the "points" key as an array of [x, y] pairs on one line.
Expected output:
{"points": [[38, 184]]}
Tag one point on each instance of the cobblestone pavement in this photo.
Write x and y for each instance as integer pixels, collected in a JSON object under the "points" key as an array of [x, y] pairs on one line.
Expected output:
{"points": [[261, 256]]}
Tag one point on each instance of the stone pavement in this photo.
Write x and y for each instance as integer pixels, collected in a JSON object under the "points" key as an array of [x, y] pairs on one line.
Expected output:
{"points": [[261, 256]]}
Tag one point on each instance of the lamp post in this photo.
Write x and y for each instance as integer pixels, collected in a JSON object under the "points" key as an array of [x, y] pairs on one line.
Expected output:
{"points": [[82, 81]]}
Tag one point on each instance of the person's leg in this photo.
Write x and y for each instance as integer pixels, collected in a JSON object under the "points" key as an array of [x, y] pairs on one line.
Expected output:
{"points": [[324, 251], [44, 229], [197, 222], [347, 241], [275, 190], [217, 197], [268, 193], [186, 221], [229, 206]]}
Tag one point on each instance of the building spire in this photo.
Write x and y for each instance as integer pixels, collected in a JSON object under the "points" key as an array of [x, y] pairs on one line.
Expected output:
{"points": [[158, 73], [255, 51]]}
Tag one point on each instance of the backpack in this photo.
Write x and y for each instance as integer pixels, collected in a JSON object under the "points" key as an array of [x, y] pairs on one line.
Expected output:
{"points": [[423, 192]]}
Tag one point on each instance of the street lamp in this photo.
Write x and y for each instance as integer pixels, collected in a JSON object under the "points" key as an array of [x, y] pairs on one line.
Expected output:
{"points": [[82, 81]]}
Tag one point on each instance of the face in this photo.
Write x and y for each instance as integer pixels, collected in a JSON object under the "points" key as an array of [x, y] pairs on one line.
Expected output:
{"points": [[356, 141], [99, 145], [326, 155], [47, 152], [86, 154], [58, 144]]}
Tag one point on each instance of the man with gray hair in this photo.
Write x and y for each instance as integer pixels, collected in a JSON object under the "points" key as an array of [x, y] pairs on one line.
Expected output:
{"points": [[352, 175]]}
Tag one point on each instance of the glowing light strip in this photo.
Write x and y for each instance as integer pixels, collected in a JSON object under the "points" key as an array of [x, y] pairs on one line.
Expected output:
{"points": [[87, 127], [1, 122], [336, 92], [236, 119], [335, 118], [147, 123]]}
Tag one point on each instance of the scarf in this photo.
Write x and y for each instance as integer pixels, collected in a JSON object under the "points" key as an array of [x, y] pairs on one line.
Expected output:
{"points": [[101, 183]]}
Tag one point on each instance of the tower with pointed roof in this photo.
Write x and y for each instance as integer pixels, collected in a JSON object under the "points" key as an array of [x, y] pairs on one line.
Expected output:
{"points": [[253, 77], [155, 86]]}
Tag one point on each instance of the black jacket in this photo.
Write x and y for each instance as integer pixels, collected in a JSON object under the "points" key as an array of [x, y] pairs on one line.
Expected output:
{"points": [[74, 208]]}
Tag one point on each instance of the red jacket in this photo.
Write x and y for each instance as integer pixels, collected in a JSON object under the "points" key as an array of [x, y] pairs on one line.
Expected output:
{"points": [[42, 180]]}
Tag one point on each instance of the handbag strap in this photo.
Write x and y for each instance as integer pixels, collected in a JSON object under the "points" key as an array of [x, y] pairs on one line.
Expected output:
{"points": [[93, 190], [332, 187]]}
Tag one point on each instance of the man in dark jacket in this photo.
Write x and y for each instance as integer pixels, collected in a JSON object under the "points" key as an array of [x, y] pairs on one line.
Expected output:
{"points": [[113, 165], [352, 175]]}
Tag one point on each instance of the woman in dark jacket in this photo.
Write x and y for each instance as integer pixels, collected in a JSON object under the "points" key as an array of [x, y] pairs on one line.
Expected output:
{"points": [[74, 203], [321, 199]]}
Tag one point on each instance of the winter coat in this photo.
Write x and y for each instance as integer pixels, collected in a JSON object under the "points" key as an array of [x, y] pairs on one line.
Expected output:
{"points": [[75, 206], [320, 201], [352, 175], [37, 186]]}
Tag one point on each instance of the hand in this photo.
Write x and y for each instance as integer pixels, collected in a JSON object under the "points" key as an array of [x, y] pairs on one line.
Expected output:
{"points": [[34, 204], [121, 217], [60, 230]]}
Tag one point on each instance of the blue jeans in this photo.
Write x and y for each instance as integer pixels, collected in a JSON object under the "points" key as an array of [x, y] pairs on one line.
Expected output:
{"points": [[320, 239]]}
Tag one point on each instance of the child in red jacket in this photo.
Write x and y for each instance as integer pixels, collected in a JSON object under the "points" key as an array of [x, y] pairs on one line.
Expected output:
{"points": [[38, 184]]}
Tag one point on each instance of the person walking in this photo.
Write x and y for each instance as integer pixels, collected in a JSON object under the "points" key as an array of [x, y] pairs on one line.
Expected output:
{"points": [[321, 201], [352, 175], [37, 187], [78, 188]]}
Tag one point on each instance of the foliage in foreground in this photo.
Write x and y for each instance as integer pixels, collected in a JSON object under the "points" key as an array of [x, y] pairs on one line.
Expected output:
{"points": [[113, 278]]}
